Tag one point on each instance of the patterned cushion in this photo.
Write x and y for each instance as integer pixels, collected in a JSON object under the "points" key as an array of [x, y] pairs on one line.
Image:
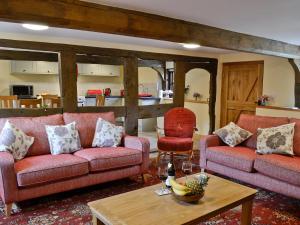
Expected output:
{"points": [[277, 140], [63, 139], [232, 134], [15, 141], [107, 134]]}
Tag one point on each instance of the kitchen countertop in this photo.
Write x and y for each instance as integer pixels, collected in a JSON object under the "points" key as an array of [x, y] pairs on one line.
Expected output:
{"points": [[116, 96]]}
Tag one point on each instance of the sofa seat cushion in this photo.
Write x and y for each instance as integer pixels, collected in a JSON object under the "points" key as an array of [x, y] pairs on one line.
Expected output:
{"points": [[280, 167], [175, 144], [241, 158], [47, 168], [107, 158]]}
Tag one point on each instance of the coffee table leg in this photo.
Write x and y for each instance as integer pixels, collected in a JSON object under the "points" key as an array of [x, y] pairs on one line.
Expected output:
{"points": [[247, 212], [96, 221]]}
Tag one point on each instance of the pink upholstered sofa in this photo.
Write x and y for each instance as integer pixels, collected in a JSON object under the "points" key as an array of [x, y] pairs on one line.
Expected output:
{"points": [[273, 172], [41, 173]]}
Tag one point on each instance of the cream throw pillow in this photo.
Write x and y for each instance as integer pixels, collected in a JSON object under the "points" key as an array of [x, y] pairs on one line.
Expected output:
{"points": [[63, 138], [15, 141], [107, 134], [277, 140], [232, 134]]}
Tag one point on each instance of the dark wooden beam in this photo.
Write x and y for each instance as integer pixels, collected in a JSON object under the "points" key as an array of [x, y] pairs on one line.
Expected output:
{"points": [[28, 55], [119, 111], [74, 14], [131, 95], [68, 80], [151, 111], [296, 66], [94, 59], [29, 112]]}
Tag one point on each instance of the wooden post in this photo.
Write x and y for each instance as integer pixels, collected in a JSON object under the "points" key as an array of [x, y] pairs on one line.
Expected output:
{"points": [[296, 66], [212, 96], [68, 80], [179, 84], [131, 95]]}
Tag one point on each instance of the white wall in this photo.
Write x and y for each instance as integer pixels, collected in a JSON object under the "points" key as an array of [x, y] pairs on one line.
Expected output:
{"points": [[278, 79], [198, 79], [149, 81]]}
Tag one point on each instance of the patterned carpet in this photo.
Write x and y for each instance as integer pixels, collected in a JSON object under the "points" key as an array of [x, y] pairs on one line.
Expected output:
{"points": [[70, 207]]}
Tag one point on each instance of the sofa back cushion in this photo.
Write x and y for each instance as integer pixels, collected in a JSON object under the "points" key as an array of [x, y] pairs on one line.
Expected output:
{"points": [[253, 122], [296, 147], [35, 127], [86, 124]]}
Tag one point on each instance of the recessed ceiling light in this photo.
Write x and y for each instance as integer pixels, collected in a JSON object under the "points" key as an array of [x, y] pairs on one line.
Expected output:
{"points": [[191, 46], [35, 26]]}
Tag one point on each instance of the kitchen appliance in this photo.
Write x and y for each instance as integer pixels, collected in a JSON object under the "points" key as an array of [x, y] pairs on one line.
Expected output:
{"points": [[22, 91], [94, 92], [122, 93], [107, 91]]}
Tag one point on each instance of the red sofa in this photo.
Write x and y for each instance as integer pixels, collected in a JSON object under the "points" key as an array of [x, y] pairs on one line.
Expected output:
{"points": [[276, 173], [41, 173]]}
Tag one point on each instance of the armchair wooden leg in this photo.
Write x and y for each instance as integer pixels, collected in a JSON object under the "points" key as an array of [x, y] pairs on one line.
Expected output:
{"points": [[144, 178], [158, 157], [7, 209]]}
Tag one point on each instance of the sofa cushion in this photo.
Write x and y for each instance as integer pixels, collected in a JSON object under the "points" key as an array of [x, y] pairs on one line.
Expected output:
{"points": [[35, 127], [86, 124], [46, 168], [280, 167], [175, 144], [241, 158], [253, 122], [296, 147], [101, 159]]}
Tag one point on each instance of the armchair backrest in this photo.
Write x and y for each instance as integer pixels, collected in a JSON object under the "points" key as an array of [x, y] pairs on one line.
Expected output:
{"points": [[179, 122]]}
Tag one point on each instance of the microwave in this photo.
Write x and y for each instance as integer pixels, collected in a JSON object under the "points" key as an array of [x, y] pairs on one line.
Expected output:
{"points": [[21, 90]]}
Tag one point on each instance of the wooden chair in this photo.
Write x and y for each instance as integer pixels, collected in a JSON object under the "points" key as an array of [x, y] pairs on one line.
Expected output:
{"points": [[179, 128], [100, 100], [9, 101], [30, 103], [51, 101]]}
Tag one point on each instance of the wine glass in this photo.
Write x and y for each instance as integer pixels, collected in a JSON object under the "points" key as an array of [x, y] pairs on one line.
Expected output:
{"points": [[187, 168], [162, 172]]}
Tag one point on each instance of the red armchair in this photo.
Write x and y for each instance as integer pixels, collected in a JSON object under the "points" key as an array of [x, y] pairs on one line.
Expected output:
{"points": [[179, 127]]}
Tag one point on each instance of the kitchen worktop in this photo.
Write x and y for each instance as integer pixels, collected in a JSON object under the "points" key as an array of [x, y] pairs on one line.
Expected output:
{"points": [[118, 96]]}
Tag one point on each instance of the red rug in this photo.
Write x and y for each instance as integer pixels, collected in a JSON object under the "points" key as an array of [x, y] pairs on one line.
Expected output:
{"points": [[71, 207]]}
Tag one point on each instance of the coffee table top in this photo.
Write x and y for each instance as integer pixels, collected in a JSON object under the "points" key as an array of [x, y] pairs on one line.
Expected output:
{"points": [[143, 206]]}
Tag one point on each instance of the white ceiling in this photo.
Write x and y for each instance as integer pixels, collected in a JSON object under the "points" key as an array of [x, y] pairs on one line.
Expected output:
{"points": [[274, 19]]}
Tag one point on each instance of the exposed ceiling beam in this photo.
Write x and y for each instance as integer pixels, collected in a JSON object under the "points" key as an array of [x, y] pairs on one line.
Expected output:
{"points": [[79, 15]]}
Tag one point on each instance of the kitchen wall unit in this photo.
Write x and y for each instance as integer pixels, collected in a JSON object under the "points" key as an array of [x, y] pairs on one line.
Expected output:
{"points": [[98, 70], [33, 67], [43, 67]]}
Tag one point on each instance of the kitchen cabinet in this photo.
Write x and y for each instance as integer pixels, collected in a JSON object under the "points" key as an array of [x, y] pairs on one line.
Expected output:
{"points": [[110, 70], [43, 67], [25, 67], [98, 70]]}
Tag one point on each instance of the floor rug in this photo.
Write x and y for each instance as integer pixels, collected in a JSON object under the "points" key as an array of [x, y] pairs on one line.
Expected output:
{"points": [[71, 207]]}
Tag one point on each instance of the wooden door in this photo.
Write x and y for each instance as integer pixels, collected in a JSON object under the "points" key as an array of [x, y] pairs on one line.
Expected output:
{"points": [[241, 86]]}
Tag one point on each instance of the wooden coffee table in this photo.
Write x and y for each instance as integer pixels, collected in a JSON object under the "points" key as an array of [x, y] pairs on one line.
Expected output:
{"points": [[143, 206]]}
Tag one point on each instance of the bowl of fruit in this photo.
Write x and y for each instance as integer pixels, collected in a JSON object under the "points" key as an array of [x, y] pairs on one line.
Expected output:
{"points": [[191, 191]]}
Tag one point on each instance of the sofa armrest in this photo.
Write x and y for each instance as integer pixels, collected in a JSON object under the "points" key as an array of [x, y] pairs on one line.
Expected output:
{"points": [[205, 142], [8, 180], [141, 144]]}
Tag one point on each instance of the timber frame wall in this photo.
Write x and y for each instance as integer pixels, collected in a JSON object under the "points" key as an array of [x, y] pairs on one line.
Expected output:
{"points": [[69, 55]]}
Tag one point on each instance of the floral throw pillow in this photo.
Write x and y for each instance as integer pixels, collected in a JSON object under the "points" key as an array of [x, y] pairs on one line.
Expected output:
{"points": [[232, 134], [278, 140], [15, 141], [107, 134], [63, 138]]}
